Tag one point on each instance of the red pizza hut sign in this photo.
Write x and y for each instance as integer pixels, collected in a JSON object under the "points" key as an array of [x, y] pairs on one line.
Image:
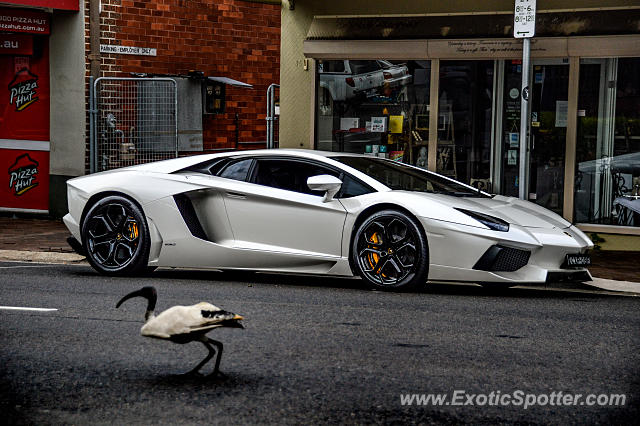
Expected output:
{"points": [[24, 21], [23, 89], [22, 175], [16, 44], [49, 4], [24, 183]]}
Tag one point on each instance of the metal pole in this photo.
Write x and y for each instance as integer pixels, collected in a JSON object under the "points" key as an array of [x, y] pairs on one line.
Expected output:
{"points": [[92, 130], [271, 114], [237, 120], [269, 118], [175, 100], [523, 183]]}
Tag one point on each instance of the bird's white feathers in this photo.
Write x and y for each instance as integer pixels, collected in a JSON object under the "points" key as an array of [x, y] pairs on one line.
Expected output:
{"points": [[182, 320]]}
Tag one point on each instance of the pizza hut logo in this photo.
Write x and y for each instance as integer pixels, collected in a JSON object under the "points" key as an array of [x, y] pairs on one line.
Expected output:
{"points": [[22, 89], [22, 174]]}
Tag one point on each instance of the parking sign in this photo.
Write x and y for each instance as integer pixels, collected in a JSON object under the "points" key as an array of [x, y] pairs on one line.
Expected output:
{"points": [[524, 18]]}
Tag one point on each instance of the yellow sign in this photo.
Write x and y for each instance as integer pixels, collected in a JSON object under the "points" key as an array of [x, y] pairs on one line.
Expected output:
{"points": [[395, 123]]}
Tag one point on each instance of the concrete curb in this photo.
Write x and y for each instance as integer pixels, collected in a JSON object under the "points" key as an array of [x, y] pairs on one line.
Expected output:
{"points": [[40, 256], [613, 285]]}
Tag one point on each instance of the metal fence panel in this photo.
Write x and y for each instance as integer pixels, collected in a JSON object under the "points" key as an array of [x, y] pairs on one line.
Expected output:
{"points": [[273, 116], [135, 121]]}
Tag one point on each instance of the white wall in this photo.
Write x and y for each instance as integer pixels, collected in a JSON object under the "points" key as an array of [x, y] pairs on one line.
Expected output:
{"points": [[67, 80]]}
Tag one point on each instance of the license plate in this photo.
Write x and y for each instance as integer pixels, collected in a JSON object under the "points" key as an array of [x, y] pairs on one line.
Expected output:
{"points": [[577, 260]]}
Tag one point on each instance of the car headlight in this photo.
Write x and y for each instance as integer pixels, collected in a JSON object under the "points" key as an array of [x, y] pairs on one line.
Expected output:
{"points": [[491, 222]]}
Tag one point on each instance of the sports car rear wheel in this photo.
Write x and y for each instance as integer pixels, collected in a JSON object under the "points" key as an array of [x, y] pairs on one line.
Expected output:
{"points": [[116, 237], [390, 251]]}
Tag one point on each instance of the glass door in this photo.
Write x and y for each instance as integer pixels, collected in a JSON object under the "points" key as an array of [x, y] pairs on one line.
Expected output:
{"points": [[549, 105], [510, 140], [593, 177], [607, 185]]}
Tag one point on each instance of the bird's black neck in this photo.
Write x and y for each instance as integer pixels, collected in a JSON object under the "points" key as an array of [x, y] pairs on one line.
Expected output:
{"points": [[148, 315], [148, 293]]}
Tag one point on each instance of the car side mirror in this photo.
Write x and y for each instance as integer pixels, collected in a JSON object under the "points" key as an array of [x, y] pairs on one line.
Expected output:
{"points": [[330, 184]]}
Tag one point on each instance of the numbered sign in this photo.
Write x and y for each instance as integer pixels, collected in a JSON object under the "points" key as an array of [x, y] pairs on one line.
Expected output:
{"points": [[524, 18]]}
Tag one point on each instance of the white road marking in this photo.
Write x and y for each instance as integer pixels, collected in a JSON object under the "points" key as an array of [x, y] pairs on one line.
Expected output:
{"points": [[19, 308]]}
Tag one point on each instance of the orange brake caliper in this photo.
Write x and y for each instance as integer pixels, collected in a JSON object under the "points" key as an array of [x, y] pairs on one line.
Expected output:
{"points": [[133, 230], [373, 258]]}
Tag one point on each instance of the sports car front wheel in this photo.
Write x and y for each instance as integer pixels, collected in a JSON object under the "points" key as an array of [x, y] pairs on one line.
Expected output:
{"points": [[115, 236], [390, 251]]}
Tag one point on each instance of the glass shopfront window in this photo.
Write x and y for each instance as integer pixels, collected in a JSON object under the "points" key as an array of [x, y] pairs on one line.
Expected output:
{"points": [[381, 108], [375, 107], [547, 144], [607, 185], [464, 121]]}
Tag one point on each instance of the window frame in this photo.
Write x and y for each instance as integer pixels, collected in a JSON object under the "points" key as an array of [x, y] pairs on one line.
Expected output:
{"points": [[216, 166], [206, 168], [341, 173], [233, 161]]}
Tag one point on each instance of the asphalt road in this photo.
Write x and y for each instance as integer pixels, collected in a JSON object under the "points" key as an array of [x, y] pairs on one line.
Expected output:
{"points": [[315, 350]]}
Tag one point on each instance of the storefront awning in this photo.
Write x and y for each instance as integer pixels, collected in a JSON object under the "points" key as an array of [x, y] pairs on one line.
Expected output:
{"points": [[481, 25], [49, 4], [230, 82]]}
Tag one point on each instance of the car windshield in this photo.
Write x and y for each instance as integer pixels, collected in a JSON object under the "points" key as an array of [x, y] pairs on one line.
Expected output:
{"points": [[361, 67], [399, 176]]}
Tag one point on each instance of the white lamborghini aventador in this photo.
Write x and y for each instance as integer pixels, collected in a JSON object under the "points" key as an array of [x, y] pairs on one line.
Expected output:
{"points": [[394, 225]]}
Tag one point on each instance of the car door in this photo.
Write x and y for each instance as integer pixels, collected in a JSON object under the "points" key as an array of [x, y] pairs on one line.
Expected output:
{"points": [[276, 212]]}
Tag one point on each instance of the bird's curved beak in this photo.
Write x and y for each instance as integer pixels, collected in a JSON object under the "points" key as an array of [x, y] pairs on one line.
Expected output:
{"points": [[238, 317], [129, 296], [148, 293]]}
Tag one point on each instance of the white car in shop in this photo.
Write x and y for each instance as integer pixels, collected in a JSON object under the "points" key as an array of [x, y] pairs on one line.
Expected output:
{"points": [[346, 79]]}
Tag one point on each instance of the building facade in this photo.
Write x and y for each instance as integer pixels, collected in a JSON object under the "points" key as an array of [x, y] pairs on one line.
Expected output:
{"points": [[239, 39], [438, 85], [52, 50], [42, 106]]}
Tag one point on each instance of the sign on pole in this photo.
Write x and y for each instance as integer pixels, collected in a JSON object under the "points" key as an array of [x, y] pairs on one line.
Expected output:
{"points": [[524, 26], [524, 19]]}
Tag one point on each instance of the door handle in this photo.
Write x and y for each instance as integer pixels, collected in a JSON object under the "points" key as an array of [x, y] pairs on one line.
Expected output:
{"points": [[236, 195]]}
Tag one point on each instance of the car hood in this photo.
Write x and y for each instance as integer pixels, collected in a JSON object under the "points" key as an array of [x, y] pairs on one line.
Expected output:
{"points": [[510, 209]]}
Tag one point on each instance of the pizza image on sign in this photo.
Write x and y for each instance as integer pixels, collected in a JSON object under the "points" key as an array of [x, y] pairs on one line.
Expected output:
{"points": [[22, 174]]}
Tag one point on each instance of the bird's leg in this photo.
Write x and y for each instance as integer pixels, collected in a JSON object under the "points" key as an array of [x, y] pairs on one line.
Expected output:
{"points": [[205, 360], [216, 369]]}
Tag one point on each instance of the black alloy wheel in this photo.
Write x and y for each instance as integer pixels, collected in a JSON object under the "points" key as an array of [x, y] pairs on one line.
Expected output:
{"points": [[116, 237], [390, 251]]}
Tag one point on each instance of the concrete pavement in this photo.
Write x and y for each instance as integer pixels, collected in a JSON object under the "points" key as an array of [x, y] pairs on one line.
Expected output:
{"points": [[44, 241], [34, 235], [40, 256]]}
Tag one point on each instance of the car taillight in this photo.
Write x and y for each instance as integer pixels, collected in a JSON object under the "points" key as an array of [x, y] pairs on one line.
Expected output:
{"points": [[350, 82], [387, 75]]}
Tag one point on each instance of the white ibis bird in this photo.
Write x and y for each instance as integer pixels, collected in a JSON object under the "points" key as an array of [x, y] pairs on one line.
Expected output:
{"points": [[184, 324]]}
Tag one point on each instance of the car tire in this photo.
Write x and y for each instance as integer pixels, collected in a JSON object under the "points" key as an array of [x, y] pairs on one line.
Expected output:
{"points": [[115, 236], [390, 252]]}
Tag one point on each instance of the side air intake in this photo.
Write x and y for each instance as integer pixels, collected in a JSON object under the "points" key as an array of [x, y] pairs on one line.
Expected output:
{"points": [[502, 259], [185, 206]]}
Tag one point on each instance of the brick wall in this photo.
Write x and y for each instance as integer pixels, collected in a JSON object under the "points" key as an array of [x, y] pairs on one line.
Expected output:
{"points": [[232, 38]]}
